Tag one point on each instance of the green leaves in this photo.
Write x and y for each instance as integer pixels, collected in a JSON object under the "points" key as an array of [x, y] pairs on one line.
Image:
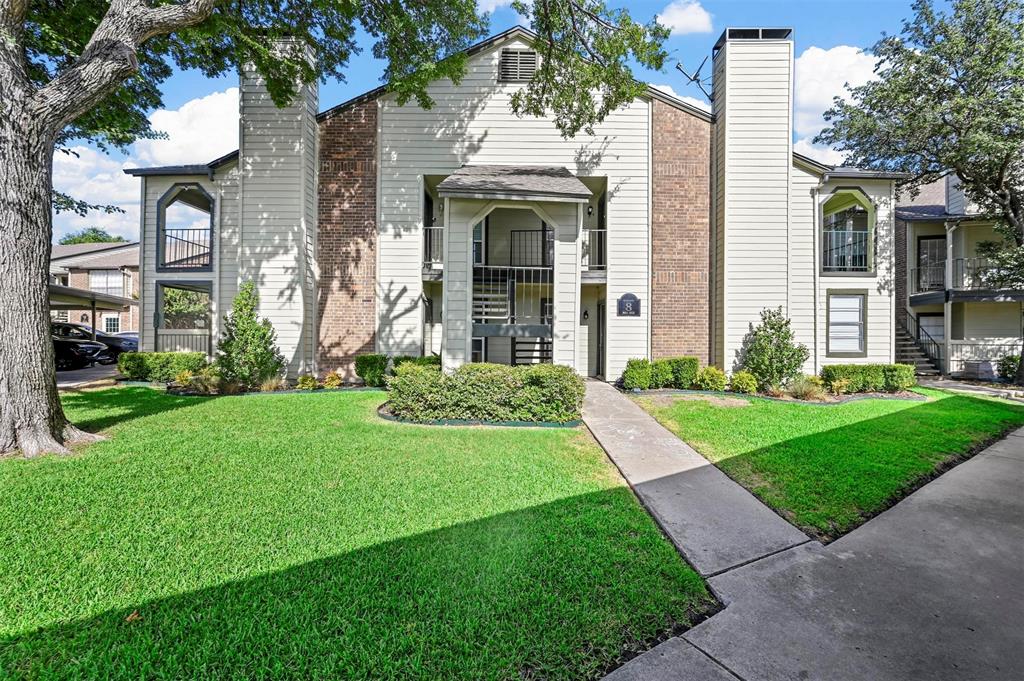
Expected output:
{"points": [[949, 97], [247, 351]]}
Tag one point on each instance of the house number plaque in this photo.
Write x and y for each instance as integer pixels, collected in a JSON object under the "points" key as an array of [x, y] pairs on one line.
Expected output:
{"points": [[629, 306]]}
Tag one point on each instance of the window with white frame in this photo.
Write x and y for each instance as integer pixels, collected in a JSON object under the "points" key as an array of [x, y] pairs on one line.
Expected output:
{"points": [[110, 282], [112, 323], [847, 324]]}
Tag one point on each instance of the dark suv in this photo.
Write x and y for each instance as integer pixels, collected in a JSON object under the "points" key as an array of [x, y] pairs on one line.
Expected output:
{"points": [[82, 332], [76, 354]]}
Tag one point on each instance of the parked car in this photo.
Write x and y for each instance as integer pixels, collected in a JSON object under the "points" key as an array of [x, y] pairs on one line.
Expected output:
{"points": [[116, 343], [70, 353]]}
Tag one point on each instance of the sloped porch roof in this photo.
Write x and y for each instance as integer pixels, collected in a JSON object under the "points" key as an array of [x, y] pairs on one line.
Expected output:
{"points": [[531, 183]]}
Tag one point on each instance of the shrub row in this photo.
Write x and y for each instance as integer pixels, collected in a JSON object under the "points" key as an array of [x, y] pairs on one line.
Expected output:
{"points": [[486, 392], [372, 368], [867, 378], [674, 372], [159, 366]]}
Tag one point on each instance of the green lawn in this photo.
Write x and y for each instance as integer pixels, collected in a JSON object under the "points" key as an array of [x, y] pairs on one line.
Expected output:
{"points": [[828, 468], [302, 536]]}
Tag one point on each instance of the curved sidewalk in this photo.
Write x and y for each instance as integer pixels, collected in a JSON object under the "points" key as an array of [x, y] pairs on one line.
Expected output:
{"points": [[712, 520]]}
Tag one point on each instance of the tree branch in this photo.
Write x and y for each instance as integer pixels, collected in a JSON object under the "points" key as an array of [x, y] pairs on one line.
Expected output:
{"points": [[110, 56]]}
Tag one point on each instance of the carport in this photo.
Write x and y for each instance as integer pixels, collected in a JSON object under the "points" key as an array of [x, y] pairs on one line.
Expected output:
{"points": [[67, 298]]}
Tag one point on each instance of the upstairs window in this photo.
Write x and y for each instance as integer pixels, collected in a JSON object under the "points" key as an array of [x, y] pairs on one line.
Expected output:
{"points": [[110, 282], [848, 234], [517, 66]]}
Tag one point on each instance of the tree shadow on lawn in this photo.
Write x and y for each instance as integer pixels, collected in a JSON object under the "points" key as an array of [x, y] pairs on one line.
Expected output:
{"points": [[560, 590], [97, 410], [830, 481]]}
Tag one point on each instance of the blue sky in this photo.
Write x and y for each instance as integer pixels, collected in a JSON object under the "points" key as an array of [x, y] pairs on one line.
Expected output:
{"points": [[200, 114]]}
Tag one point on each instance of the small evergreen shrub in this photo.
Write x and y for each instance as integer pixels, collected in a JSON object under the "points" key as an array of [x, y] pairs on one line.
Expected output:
{"points": [[805, 387], [743, 382], [637, 374], [307, 382], [869, 378], [159, 366], [684, 371], [661, 374], [711, 378], [209, 382], [486, 392], [372, 368], [247, 352], [183, 377], [1007, 367], [332, 380], [770, 352], [840, 386]]}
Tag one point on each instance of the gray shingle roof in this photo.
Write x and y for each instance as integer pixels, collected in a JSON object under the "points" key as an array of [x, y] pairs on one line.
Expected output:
{"points": [[553, 182], [68, 250]]}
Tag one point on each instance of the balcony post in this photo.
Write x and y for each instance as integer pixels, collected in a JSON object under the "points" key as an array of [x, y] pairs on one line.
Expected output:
{"points": [[566, 288]]}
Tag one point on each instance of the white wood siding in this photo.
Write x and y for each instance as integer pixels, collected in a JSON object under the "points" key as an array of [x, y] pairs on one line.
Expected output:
{"points": [[458, 288], [754, 152], [956, 202], [278, 157], [472, 123]]}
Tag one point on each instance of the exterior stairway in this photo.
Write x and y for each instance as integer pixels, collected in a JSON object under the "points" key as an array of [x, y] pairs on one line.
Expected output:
{"points": [[908, 351], [490, 302]]}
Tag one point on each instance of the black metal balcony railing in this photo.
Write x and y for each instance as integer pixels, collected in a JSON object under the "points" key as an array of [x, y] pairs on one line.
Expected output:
{"points": [[531, 248], [974, 273], [932, 349], [845, 251], [595, 249], [512, 295], [928, 278], [433, 246], [187, 248]]}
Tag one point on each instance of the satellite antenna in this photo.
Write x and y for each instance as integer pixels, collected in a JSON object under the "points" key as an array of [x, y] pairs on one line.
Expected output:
{"points": [[695, 77]]}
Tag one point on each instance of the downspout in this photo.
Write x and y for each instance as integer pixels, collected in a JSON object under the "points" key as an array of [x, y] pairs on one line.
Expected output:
{"points": [[815, 192]]}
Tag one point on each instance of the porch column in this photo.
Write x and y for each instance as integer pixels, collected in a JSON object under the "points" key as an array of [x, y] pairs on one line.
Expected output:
{"points": [[565, 325], [457, 305], [947, 306]]}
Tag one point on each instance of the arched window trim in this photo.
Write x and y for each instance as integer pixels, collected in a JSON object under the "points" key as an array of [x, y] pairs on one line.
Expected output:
{"points": [[162, 204], [856, 197]]}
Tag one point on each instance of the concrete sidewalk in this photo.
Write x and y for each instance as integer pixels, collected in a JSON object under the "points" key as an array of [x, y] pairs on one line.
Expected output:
{"points": [[931, 589], [712, 520], [78, 378]]}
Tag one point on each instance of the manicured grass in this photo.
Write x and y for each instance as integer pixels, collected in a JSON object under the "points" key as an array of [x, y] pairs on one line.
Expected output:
{"points": [[301, 536], [828, 468]]}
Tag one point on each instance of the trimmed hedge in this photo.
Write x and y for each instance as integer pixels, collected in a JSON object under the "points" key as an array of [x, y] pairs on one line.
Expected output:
{"points": [[486, 392], [684, 371], [427, 361], [159, 366], [870, 378], [372, 368], [637, 374], [661, 374], [743, 382], [711, 378]]}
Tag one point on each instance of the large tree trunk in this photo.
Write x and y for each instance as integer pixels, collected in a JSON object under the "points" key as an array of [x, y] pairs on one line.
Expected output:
{"points": [[31, 417]]}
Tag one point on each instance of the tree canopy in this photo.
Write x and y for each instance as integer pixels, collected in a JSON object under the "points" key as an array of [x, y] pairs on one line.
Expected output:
{"points": [[91, 235], [949, 97]]}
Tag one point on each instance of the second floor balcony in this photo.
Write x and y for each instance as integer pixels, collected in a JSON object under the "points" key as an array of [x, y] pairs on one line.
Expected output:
{"points": [[525, 248]]}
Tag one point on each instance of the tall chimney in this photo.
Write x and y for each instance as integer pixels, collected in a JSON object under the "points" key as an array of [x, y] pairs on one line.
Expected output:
{"points": [[278, 210], [753, 138]]}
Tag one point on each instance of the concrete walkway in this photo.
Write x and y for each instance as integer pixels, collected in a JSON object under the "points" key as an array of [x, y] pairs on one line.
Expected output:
{"points": [[712, 520], [931, 589], [79, 378], [1009, 392]]}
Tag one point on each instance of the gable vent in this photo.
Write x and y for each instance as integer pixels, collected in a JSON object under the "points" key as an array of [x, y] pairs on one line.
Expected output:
{"points": [[517, 66]]}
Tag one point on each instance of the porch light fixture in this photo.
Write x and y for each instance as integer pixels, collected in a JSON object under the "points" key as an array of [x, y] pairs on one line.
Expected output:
{"points": [[586, 315], [590, 210]]}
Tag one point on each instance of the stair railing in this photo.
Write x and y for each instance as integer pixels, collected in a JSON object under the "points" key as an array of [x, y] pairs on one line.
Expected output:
{"points": [[932, 349]]}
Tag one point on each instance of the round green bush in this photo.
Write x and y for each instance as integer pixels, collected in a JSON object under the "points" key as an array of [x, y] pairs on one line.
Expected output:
{"points": [[743, 382], [637, 374], [711, 378]]}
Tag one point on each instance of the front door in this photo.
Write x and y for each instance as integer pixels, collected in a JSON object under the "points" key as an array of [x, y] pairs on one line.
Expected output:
{"points": [[599, 369], [931, 263]]}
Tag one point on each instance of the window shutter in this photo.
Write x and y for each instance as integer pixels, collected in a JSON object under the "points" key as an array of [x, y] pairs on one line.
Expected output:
{"points": [[517, 66]]}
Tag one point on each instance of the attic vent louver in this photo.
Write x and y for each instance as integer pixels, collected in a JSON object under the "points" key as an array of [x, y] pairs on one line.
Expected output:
{"points": [[517, 66]]}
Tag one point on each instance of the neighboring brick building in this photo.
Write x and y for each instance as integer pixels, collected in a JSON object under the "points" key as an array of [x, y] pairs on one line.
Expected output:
{"points": [[111, 268]]}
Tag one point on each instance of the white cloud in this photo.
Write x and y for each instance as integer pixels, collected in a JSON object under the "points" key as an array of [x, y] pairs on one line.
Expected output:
{"points": [[491, 5], [693, 101], [820, 76], [200, 131], [685, 16], [817, 152]]}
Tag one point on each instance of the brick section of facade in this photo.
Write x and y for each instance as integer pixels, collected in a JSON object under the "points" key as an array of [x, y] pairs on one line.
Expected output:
{"points": [[347, 238], [900, 244], [79, 278], [680, 234]]}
